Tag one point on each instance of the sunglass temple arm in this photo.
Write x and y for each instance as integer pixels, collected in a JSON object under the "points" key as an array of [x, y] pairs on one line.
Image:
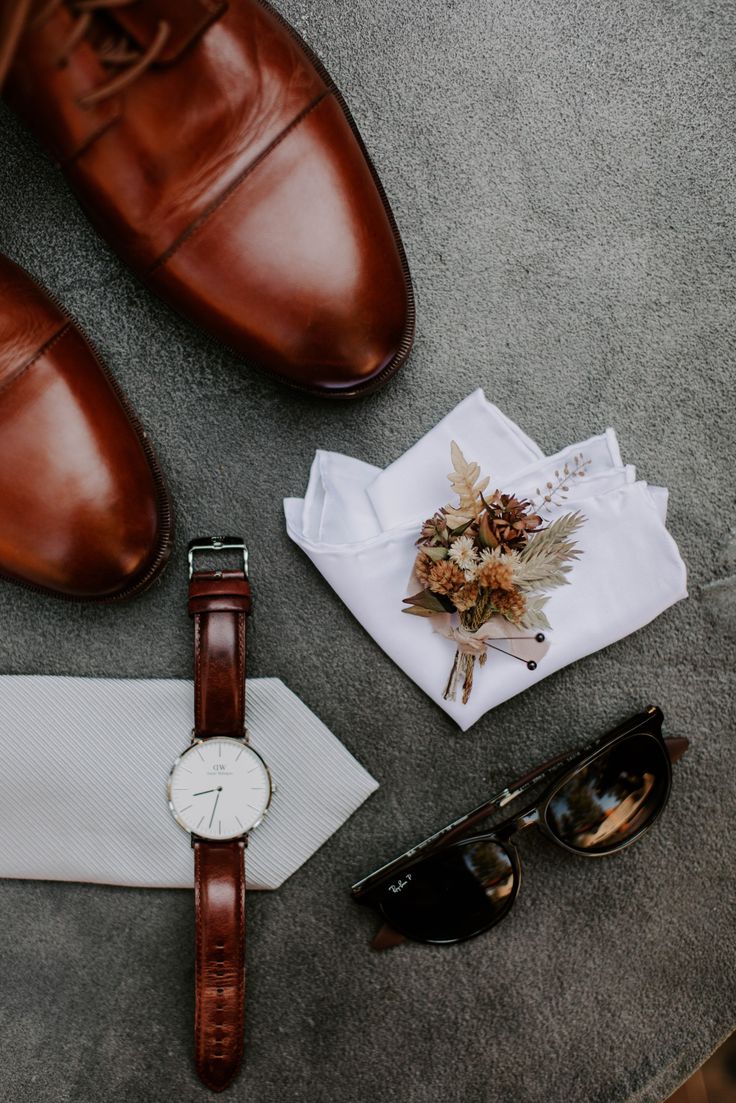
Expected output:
{"points": [[446, 834], [675, 747]]}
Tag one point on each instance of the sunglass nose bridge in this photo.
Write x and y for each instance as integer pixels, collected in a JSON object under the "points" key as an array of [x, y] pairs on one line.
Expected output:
{"points": [[511, 827], [526, 819]]}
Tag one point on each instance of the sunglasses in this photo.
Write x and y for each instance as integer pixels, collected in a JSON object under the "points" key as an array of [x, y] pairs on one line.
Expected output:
{"points": [[603, 797]]}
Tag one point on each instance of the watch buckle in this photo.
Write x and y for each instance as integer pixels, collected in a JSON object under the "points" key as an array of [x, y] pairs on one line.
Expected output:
{"points": [[217, 544]]}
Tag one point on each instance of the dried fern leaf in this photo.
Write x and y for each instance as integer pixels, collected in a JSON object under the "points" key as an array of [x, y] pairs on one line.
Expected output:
{"points": [[468, 485]]}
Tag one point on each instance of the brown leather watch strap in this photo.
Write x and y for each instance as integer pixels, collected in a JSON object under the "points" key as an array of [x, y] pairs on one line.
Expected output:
{"points": [[219, 603], [219, 1016]]}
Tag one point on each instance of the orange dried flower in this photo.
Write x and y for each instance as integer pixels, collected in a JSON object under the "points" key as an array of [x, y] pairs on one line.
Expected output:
{"points": [[466, 597], [496, 575], [445, 577], [422, 566], [510, 604]]}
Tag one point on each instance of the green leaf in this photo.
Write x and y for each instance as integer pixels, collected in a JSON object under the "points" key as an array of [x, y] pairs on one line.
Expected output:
{"points": [[454, 533], [534, 617], [425, 603], [436, 554]]}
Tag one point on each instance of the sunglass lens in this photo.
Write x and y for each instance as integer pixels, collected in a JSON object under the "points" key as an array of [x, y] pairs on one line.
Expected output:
{"points": [[454, 894], [611, 800]]}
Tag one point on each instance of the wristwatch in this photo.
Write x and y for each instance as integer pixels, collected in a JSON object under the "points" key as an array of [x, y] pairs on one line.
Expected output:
{"points": [[219, 790]]}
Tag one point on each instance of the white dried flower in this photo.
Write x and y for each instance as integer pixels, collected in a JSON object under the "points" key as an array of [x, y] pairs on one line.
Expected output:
{"points": [[496, 555], [463, 553]]}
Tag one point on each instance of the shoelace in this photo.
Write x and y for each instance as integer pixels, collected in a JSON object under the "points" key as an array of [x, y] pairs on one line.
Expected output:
{"points": [[113, 52]]}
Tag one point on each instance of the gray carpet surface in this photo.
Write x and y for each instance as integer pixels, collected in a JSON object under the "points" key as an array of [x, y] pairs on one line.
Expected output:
{"points": [[563, 177]]}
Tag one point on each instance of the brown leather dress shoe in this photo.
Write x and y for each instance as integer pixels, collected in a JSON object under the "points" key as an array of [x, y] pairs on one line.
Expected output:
{"points": [[84, 513], [211, 148]]}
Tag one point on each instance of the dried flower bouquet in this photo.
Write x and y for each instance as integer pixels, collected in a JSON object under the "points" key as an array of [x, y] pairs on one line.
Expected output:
{"points": [[485, 567]]}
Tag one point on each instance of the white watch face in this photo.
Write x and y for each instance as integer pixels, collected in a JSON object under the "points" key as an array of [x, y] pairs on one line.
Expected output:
{"points": [[219, 788]]}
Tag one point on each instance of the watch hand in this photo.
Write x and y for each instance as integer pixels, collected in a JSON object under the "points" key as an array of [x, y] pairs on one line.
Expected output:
{"points": [[214, 808], [203, 793]]}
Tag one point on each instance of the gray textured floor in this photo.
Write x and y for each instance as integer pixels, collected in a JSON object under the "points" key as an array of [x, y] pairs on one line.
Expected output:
{"points": [[563, 177]]}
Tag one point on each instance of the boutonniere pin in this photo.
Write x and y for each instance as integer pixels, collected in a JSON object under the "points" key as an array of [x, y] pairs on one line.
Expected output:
{"points": [[485, 567]]}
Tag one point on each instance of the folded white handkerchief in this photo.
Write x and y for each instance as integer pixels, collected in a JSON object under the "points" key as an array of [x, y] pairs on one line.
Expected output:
{"points": [[85, 762], [337, 507], [408, 487], [629, 572]]}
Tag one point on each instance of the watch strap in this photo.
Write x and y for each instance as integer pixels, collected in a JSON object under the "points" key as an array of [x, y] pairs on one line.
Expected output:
{"points": [[219, 1017], [219, 603]]}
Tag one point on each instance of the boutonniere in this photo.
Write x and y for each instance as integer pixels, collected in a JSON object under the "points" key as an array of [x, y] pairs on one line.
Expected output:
{"points": [[485, 567]]}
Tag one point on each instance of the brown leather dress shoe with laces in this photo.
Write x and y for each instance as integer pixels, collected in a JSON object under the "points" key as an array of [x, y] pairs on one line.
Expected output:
{"points": [[83, 509], [212, 150]]}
